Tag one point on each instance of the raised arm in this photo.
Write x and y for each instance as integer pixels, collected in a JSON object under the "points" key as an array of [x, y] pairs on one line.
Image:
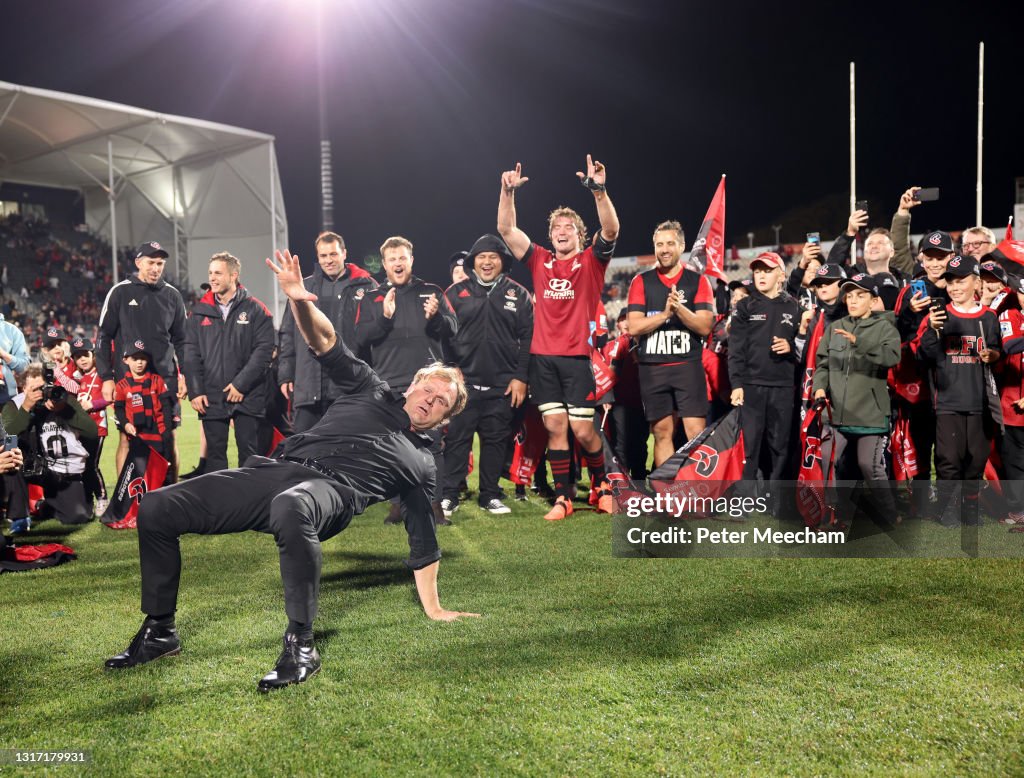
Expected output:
{"points": [[595, 180], [316, 329], [517, 240]]}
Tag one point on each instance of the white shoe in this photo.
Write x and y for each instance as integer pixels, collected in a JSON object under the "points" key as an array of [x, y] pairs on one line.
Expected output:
{"points": [[101, 507], [448, 507], [496, 507]]}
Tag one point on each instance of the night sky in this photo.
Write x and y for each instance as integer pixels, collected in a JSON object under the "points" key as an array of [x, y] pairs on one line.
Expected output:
{"points": [[431, 99]]}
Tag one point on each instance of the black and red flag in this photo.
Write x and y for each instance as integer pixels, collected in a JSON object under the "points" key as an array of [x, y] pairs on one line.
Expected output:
{"points": [[708, 253], [713, 458], [144, 469], [814, 474], [530, 443]]}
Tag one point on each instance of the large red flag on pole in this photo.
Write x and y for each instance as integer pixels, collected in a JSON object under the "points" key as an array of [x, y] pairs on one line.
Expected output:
{"points": [[708, 253]]}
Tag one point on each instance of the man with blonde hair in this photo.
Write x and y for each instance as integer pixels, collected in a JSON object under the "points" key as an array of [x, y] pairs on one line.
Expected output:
{"points": [[567, 282], [369, 446]]}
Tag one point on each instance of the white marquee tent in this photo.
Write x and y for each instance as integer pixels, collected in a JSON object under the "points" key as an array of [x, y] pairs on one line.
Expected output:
{"points": [[194, 186]]}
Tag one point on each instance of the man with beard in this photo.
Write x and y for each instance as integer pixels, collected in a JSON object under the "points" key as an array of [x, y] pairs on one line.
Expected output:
{"points": [[671, 311], [492, 347], [339, 287]]}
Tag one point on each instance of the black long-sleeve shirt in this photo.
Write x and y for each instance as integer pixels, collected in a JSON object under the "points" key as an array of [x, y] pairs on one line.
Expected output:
{"points": [[365, 439], [958, 379]]}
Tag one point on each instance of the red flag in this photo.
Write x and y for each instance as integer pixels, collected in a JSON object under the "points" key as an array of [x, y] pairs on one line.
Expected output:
{"points": [[813, 476], [604, 376], [1012, 250], [143, 470], [904, 452], [1009, 230], [715, 456], [530, 443], [276, 438], [708, 253]]}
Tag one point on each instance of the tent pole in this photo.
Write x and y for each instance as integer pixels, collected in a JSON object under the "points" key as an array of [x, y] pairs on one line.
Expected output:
{"points": [[273, 229]]}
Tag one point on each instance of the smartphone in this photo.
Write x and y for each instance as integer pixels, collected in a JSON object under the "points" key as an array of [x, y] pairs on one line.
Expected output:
{"points": [[862, 205], [918, 286], [814, 237], [10, 442], [929, 195]]}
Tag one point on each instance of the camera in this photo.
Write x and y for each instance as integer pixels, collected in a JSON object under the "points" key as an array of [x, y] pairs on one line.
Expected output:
{"points": [[52, 392]]}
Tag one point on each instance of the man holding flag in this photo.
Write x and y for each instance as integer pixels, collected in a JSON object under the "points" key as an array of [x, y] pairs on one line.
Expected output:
{"points": [[671, 311]]}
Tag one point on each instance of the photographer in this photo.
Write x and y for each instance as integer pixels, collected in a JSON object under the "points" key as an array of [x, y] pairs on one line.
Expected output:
{"points": [[50, 424]]}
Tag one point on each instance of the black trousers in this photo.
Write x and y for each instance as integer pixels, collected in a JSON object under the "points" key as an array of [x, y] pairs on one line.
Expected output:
{"points": [[962, 446], [1012, 452], [247, 431], [298, 506], [65, 499], [629, 433], [489, 416], [767, 419], [95, 488]]}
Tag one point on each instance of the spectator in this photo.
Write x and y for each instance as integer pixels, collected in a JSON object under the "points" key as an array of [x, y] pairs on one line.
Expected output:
{"points": [[51, 425], [492, 348], [568, 283], [851, 370], [229, 342], [629, 428], [90, 397], [958, 343], [456, 266], [145, 308], [977, 242], [671, 311], [13, 359], [1010, 378], [143, 405], [762, 368], [339, 286]]}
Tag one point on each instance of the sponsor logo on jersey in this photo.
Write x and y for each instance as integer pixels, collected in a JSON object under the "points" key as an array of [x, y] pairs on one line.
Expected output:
{"points": [[559, 289]]}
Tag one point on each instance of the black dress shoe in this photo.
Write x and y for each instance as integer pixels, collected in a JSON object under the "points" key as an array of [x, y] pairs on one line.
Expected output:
{"points": [[200, 469], [298, 662], [151, 642], [394, 514]]}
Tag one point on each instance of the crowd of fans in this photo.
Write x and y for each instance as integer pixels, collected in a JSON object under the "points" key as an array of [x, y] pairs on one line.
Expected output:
{"points": [[912, 354]]}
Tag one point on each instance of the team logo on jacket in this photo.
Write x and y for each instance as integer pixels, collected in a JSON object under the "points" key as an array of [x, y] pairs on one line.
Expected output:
{"points": [[787, 318], [359, 294], [511, 294], [243, 318], [559, 289]]}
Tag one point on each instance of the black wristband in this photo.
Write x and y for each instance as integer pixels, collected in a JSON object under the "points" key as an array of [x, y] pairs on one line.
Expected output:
{"points": [[592, 185]]}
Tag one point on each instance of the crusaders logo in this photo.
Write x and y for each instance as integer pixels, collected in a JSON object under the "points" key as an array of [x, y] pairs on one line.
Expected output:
{"points": [[858, 277], [359, 294], [812, 452], [137, 489], [139, 345], [935, 240], [954, 262], [706, 459], [823, 270], [78, 343]]}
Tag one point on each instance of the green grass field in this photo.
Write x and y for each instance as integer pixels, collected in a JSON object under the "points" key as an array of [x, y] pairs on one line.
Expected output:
{"points": [[582, 664]]}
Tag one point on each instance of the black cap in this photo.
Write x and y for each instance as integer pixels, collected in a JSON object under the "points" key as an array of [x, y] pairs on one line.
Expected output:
{"points": [[151, 249], [860, 281], [961, 267], [744, 283], [937, 241], [458, 259], [138, 347], [53, 336], [490, 243], [828, 273], [80, 345], [995, 269]]}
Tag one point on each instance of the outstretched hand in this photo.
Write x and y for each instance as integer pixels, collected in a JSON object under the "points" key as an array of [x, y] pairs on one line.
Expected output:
{"points": [[511, 180], [595, 171], [289, 276]]}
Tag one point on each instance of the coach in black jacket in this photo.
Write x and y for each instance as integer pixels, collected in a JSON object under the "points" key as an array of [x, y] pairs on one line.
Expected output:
{"points": [[143, 307], [339, 287], [492, 346], [229, 342]]}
